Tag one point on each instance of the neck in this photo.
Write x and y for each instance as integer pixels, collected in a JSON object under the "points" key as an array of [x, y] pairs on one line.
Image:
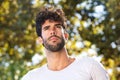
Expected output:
{"points": [[58, 60]]}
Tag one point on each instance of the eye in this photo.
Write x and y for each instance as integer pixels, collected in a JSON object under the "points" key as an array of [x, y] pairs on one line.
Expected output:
{"points": [[46, 28], [59, 26]]}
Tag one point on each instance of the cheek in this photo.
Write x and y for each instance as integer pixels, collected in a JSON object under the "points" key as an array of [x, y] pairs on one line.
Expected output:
{"points": [[62, 30], [44, 37]]}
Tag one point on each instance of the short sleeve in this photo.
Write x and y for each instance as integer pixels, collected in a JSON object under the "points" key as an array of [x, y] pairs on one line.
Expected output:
{"points": [[26, 76], [98, 72]]}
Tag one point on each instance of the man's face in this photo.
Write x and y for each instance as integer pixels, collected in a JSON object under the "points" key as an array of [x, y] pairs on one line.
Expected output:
{"points": [[53, 36]]}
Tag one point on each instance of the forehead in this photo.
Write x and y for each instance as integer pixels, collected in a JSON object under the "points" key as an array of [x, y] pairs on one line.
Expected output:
{"points": [[47, 22]]}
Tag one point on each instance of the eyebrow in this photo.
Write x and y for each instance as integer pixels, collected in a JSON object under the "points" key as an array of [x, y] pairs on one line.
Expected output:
{"points": [[55, 25], [58, 24], [49, 25], [45, 26]]}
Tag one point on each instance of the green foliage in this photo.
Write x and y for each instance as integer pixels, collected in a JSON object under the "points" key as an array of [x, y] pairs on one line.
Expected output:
{"points": [[87, 28]]}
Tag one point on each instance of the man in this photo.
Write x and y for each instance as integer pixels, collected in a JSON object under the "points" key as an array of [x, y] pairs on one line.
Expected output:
{"points": [[51, 29]]}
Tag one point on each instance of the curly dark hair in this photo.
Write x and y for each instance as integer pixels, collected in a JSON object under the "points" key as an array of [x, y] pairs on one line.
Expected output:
{"points": [[49, 13]]}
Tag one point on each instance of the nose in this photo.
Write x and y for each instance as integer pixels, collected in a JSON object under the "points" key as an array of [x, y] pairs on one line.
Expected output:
{"points": [[53, 31]]}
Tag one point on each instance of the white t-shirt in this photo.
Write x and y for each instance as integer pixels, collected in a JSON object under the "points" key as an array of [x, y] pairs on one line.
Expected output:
{"points": [[81, 69]]}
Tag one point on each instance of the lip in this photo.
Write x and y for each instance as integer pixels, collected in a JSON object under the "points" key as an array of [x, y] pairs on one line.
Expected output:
{"points": [[53, 38]]}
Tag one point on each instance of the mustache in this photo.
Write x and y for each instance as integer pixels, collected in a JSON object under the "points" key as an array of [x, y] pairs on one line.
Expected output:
{"points": [[54, 36]]}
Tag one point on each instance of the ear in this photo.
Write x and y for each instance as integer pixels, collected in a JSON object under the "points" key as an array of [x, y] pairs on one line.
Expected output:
{"points": [[39, 39], [66, 35]]}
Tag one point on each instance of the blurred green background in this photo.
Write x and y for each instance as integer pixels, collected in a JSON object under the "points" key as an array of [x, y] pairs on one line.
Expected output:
{"points": [[93, 27]]}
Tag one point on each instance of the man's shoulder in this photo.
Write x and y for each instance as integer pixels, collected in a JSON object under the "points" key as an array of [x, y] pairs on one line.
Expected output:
{"points": [[33, 72], [38, 69], [86, 59], [89, 61]]}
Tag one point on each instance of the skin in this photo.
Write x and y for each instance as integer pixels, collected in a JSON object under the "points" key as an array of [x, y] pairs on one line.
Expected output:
{"points": [[59, 59]]}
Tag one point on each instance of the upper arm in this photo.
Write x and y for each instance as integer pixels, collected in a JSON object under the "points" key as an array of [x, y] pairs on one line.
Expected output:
{"points": [[26, 77], [98, 72]]}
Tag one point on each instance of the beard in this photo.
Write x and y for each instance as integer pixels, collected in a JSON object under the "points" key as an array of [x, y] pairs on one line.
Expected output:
{"points": [[54, 48]]}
